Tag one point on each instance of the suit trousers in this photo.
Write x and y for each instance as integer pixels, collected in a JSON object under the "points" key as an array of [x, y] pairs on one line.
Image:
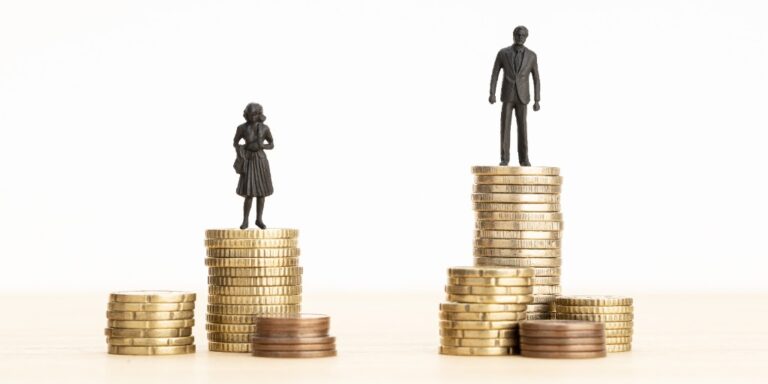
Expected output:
{"points": [[522, 130]]}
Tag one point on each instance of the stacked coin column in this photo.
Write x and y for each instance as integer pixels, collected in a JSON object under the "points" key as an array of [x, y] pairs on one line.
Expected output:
{"points": [[251, 272], [293, 336], [616, 312], [519, 224], [484, 307]]}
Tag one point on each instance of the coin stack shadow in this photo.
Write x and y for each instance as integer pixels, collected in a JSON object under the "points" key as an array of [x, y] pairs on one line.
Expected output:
{"points": [[251, 272], [484, 308], [293, 336], [616, 312], [150, 323], [519, 224], [562, 339]]}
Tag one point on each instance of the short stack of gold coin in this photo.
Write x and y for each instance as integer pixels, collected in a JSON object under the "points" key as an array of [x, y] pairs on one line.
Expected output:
{"points": [[485, 305], [250, 272], [616, 312], [150, 323], [519, 224]]}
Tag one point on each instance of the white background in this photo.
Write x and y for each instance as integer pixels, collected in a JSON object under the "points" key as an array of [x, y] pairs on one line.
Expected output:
{"points": [[116, 121]]}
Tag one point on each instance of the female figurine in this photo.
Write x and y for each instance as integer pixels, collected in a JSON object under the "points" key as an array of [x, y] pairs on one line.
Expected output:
{"points": [[251, 164]]}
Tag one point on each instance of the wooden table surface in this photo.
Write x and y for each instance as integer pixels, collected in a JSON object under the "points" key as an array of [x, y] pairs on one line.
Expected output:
{"points": [[390, 338]]}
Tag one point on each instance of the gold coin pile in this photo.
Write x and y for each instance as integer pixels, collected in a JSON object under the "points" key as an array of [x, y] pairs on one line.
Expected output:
{"points": [[150, 323], [519, 224], [485, 305], [616, 312], [250, 272]]}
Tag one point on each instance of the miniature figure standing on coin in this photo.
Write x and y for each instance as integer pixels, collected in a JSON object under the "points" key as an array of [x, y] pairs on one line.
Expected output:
{"points": [[518, 63], [252, 164]]}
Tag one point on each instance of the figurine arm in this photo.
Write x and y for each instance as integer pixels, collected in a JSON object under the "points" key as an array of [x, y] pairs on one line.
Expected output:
{"points": [[536, 85], [495, 78], [238, 136], [268, 138]]}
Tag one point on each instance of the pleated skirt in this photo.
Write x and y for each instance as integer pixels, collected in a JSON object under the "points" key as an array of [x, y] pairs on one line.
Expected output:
{"points": [[256, 179]]}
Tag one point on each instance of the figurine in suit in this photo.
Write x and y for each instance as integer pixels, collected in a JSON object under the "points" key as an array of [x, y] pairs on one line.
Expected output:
{"points": [[251, 163], [519, 63]]}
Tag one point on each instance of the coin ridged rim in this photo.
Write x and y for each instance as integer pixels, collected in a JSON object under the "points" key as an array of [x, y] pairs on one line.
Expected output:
{"points": [[594, 300], [519, 180], [509, 225], [546, 271], [141, 315], [485, 290], [483, 343], [150, 324], [252, 309], [545, 280], [515, 188], [619, 324], [251, 262], [513, 207], [254, 300], [491, 299], [270, 233], [491, 281], [474, 351], [546, 307], [219, 290], [516, 253], [597, 317], [214, 346], [594, 309], [462, 307], [560, 325], [294, 354], [611, 340], [619, 332], [228, 337], [528, 244], [162, 350], [254, 281], [546, 289], [508, 170], [476, 271], [519, 262], [239, 319], [538, 315], [548, 198], [152, 297], [483, 316], [611, 348], [151, 307], [469, 324], [522, 235], [243, 253], [519, 216], [147, 333], [479, 333], [150, 341], [543, 299], [249, 328], [255, 272], [251, 243]]}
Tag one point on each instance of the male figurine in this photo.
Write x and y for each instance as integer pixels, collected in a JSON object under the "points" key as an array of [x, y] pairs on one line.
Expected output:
{"points": [[518, 62]]}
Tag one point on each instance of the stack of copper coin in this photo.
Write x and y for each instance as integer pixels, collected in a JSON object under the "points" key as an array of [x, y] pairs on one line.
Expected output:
{"points": [[293, 335], [562, 339]]}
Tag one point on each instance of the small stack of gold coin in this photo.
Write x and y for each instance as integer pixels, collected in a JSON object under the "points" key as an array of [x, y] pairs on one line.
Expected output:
{"points": [[250, 272], [150, 323], [562, 339], [616, 312], [484, 307], [519, 224], [298, 335]]}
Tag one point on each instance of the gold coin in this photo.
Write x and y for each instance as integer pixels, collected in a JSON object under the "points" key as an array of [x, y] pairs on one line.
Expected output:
{"points": [[519, 180], [251, 243], [505, 170], [546, 271], [230, 328], [491, 299], [516, 198], [249, 319], [491, 281], [595, 317], [503, 243], [586, 300], [152, 297], [474, 351], [594, 309], [519, 262], [618, 347], [255, 272], [510, 207], [254, 300], [460, 307], [539, 308], [538, 316], [618, 340], [485, 290], [147, 333], [462, 342], [254, 291], [483, 316], [544, 299], [150, 324], [252, 253], [618, 325], [519, 225], [546, 289], [152, 307], [545, 280], [127, 315], [519, 216], [499, 252], [489, 272], [515, 188], [230, 337], [252, 262], [479, 333], [229, 347], [460, 324], [271, 233], [164, 350], [151, 341], [533, 235], [221, 309], [254, 281], [618, 332]]}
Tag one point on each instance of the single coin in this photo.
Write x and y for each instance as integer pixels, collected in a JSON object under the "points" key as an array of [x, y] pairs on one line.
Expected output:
{"points": [[222, 337], [150, 324], [618, 324], [536, 334], [271, 233], [562, 347], [151, 307], [519, 216], [563, 355], [294, 340], [294, 347], [515, 188], [254, 281], [292, 332], [546, 289], [243, 309], [519, 180], [229, 347], [530, 235], [596, 317], [164, 350], [254, 300], [504, 243], [151, 341], [125, 315], [479, 333], [474, 351], [594, 309], [546, 271], [539, 308], [538, 316], [519, 225], [516, 253], [505, 170], [543, 299], [460, 307], [545, 280], [618, 347], [516, 198], [461, 324], [252, 253], [252, 262], [255, 272], [147, 333], [489, 272], [618, 332], [483, 316], [483, 343], [248, 328], [251, 243], [249, 319], [254, 291], [618, 340], [592, 300], [491, 281], [479, 290], [152, 297], [511, 207], [294, 319], [599, 340], [295, 354], [560, 325], [519, 261], [491, 299]]}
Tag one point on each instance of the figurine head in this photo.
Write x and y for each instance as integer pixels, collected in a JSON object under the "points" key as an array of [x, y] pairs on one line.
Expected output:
{"points": [[254, 113], [520, 34]]}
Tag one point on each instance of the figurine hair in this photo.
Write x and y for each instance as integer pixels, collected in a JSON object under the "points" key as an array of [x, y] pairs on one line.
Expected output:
{"points": [[521, 28]]}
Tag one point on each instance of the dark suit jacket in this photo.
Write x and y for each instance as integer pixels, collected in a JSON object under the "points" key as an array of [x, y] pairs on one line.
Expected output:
{"points": [[516, 82]]}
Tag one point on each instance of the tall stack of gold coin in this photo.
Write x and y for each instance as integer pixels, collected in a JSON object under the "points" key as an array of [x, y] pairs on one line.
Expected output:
{"points": [[616, 312], [250, 272], [519, 224], [484, 307], [150, 323]]}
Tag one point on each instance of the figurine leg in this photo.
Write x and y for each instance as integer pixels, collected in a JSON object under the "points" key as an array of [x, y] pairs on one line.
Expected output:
{"points": [[506, 122], [259, 212], [246, 211], [521, 110]]}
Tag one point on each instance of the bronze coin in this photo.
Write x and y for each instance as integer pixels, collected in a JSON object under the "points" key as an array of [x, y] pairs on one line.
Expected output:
{"points": [[294, 347], [295, 354], [562, 340], [293, 340], [563, 347], [288, 333], [298, 319], [563, 355], [562, 325], [538, 333]]}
